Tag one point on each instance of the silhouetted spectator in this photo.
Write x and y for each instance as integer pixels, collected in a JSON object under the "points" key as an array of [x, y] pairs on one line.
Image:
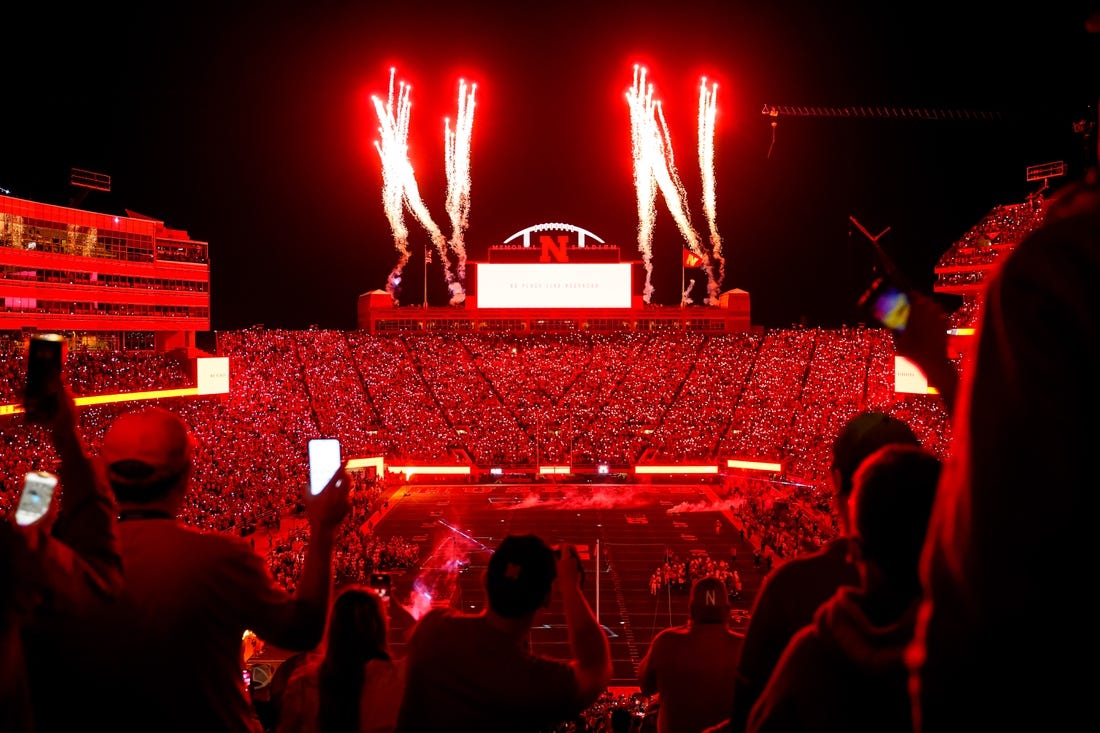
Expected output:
{"points": [[352, 685], [61, 564], [792, 592], [691, 667], [271, 709], [191, 592], [1022, 461], [845, 672], [475, 672]]}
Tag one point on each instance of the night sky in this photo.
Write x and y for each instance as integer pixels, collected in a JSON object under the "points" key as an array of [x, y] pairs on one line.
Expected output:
{"points": [[252, 128]]}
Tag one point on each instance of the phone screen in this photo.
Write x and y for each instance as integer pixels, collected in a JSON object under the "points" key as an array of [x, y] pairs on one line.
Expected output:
{"points": [[324, 461], [34, 502], [887, 304], [45, 356]]}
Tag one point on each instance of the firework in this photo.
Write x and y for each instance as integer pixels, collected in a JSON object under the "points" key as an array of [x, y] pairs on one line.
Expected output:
{"points": [[458, 173], [399, 187], [640, 99], [708, 112], [391, 151], [655, 170]]}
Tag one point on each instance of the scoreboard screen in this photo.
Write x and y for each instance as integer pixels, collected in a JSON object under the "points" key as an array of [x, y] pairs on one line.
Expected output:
{"points": [[554, 285]]}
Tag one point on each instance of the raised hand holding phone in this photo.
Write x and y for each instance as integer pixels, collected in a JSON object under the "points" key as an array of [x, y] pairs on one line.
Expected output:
{"points": [[327, 508], [887, 303], [46, 353], [887, 299], [324, 461], [36, 498]]}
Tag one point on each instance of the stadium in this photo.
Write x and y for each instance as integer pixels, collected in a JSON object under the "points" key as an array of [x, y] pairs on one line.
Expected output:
{"points": [[667, 443]]}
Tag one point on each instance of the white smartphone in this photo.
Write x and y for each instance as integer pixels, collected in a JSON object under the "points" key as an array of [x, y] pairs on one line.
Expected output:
{"points": [[324, 462], [34, 502]]}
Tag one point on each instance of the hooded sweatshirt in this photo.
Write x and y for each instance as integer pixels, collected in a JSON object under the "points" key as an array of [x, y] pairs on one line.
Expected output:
{"points": [[840, 673]]}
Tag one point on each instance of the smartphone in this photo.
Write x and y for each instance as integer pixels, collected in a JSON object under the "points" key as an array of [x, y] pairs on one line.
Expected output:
{"points": [[887, 304], [45, 357], [34, 502], [382, 584], [324, 462]]}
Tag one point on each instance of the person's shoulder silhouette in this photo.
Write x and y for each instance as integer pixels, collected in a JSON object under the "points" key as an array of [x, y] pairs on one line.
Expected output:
{"points": [[845, 671], [1019, 473], [792, 592]]}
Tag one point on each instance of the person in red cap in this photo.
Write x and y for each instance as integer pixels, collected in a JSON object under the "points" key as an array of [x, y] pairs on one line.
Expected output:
{"points": [[691, 667], [166, 655]]}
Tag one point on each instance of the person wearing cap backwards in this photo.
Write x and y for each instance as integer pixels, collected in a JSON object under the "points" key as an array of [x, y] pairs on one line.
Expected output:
{"points": [[791, 593], [845, 671], [166, 654], [476, 672], [691, 667]]}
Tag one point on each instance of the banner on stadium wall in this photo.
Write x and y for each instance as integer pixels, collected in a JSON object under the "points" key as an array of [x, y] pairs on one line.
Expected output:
{"points": [[909, 379], [212, 375]]}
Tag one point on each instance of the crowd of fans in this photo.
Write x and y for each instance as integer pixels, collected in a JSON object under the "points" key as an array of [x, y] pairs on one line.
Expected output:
{"points": [[614, 712], [359, 552], [995, 235], [676, 574], [502, 399], [963, 268]]}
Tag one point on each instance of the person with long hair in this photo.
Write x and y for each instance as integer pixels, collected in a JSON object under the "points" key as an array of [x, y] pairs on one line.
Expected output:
{"points": [[352, 685]]}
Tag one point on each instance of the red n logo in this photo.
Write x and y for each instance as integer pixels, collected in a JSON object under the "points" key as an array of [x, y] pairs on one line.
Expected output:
{"points": [[550, 247]]}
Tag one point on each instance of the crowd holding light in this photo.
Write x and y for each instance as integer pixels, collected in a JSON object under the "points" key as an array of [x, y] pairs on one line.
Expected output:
{"points": [[581, 399], [601, 397], [574, 398]]}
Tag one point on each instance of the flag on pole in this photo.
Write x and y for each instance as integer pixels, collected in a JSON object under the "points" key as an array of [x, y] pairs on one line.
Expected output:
{"points": [[691, 259], [427, 256]]}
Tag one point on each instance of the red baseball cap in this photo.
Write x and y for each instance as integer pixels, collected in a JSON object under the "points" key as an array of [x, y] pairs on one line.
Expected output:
{"points": [[146, 446]]}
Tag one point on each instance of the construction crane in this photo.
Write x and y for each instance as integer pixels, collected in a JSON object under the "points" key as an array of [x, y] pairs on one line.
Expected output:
{"points": [[773, 112]]}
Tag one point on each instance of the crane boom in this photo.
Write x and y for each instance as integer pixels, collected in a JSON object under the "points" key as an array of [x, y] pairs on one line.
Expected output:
{"points": [[773, 112]]}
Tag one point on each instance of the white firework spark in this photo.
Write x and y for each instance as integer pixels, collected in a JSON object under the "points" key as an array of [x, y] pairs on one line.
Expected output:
{"points": [[391, 151], [640, 99], [399, 183], [708, 112], [458, 173], [655, 170]]}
